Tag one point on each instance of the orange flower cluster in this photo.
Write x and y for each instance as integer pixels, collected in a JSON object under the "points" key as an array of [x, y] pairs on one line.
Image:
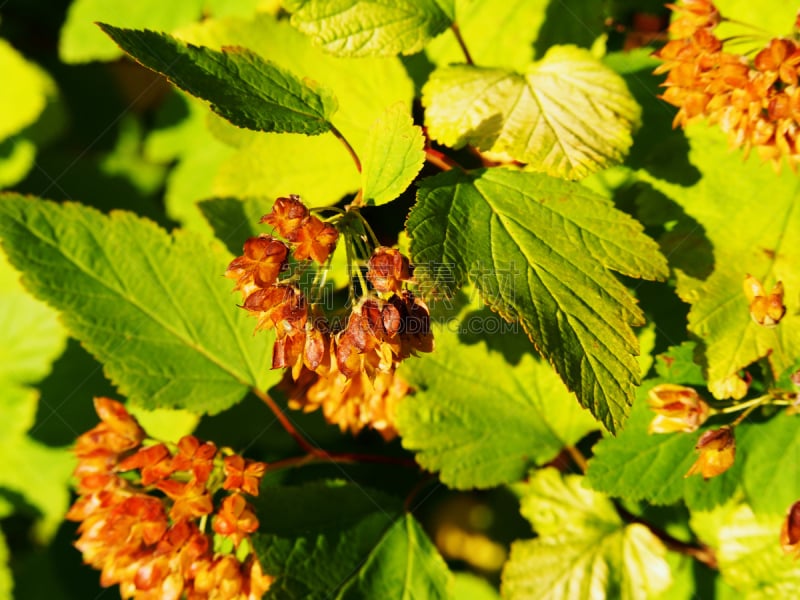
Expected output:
{"points": [[151, 544], [348, 371], [278, 304], [677, 408], [757, 103]]}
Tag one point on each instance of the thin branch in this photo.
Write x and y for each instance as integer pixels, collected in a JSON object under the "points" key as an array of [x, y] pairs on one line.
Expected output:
{"points": [[457, 32], [347, 145], [307, 446], [699, 551], [578, 457], [444, 162], [321, 456]]}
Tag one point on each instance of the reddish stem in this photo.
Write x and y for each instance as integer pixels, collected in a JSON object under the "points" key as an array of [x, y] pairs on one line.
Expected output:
{"points": [[457, 32], [444, 162], [307, 446], [350, 150]]}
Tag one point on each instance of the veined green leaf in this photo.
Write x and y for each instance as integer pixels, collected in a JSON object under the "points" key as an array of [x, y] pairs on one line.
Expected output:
{"points": [[467, 387], [340, 541], [371, 27], [584, 550], [153, 308], [541, 250], [748, 551], [240, 85], [393, 156], [568, 115], [747, 237]]}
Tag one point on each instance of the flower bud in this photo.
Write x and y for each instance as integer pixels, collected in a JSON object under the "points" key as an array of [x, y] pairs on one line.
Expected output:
{"points": [[388, 268], [287, 215], [677, 408], [717, 451], [766, 309]]}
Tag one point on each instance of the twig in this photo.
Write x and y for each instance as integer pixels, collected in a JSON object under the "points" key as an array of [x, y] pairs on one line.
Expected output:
{"points": [[698, 551], [445, 163], [578, 457], [457, 32], [347, 145], [307, 446]]}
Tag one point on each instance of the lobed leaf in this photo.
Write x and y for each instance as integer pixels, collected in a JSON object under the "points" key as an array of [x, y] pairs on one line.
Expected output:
{"points": [[467, 389], [584, 550], [240, 85], [371, 27], [153, 308], [393, 156], [540, 251], [568, 115]]}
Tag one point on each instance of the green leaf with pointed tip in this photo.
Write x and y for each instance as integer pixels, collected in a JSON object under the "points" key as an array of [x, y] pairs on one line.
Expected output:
{"points": [[541, 250], [568, 115], [466, 388], [747, 237], [393, 156], [81, 41], [584, 550], [748, 551], [342, 541], [371, 27], [240, 85], [153, 308]]}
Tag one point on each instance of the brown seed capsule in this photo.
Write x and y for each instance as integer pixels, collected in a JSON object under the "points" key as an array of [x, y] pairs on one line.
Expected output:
{"points": [[263, 259], [717, 452], [677, 408], [388, 269], [287, 215], [314, 239]]}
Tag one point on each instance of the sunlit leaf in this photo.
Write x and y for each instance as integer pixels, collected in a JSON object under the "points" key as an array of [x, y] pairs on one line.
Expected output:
{"points": [[584, 549], [393, 156], [153, 308], [568, 115], [371, 27], [516, 235], [240, 85]]}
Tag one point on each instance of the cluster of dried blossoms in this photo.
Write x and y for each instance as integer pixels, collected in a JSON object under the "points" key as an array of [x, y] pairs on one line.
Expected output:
{"points": [[143, 508], [347, 369], [681, 409], [757, 103]]}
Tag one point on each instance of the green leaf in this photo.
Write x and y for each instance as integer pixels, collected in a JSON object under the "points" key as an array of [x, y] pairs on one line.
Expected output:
{"points": [[319, 168], [466, 388], [746, 238], [344, 541], [748, 552], [240, 85], [371, 27], [584, 550], [467, 585], [568, 115], [743, 17], [540, 251], [393, 156], [153, 308], [17, 157], [27, 89], [774, 452], [81, 41], [637, 465]]}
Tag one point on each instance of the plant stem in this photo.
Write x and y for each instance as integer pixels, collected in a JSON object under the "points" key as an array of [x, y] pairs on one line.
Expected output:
{"points": [[752, 403], [445, 163], [578, 457], [457, 32], [698, 551], [307, 446], [347, 145]]}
